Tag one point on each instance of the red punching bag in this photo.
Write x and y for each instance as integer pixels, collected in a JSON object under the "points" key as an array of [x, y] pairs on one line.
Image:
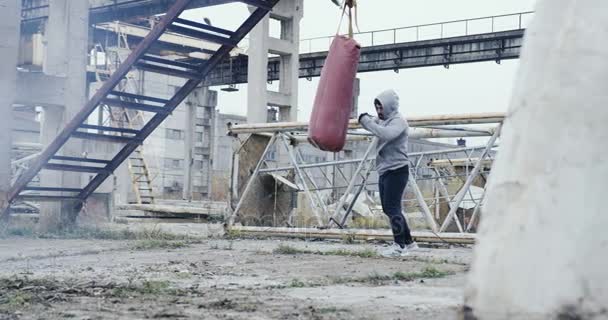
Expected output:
{"points": [[334, 99]]}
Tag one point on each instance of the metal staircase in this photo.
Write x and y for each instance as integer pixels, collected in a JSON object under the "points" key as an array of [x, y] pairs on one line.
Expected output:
{"points": [[141, 181], [130, 139]]}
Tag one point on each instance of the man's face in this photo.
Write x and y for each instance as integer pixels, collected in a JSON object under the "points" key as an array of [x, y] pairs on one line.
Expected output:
{"points": [[380, 111]]}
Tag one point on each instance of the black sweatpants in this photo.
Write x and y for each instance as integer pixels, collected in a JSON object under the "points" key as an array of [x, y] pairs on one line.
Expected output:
{"points": [[392, 185]]}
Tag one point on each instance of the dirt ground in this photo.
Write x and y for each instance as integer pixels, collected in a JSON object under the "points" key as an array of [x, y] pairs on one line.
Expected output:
{"points": [[225, 279]]}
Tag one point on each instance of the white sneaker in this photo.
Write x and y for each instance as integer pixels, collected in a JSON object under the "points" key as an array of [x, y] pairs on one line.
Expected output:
{"points": [[394, 250], [412, 247]]}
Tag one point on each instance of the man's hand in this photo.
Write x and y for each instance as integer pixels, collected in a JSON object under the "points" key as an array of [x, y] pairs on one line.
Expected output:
{"points": [[361, 116]]}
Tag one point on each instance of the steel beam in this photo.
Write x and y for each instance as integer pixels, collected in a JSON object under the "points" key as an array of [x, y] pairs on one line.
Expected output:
{"points": [[495, 46]]}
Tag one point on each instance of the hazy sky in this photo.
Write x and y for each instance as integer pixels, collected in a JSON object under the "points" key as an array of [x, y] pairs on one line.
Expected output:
{"points": [[477, 87]]}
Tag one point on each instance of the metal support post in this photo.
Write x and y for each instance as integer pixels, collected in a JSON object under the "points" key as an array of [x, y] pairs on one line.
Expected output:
{"points": [[314, 184], [351, 185], [301, 176], [254, 175], [425, 208], [359, 190], [460, 196]]}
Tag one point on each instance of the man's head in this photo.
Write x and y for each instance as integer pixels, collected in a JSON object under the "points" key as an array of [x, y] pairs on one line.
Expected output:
{"points": [[387, 104]]}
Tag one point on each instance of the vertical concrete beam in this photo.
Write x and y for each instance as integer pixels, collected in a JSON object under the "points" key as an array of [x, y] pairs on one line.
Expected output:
{"points": [[541, 251], [356, 92], [257, 101], [10, 13], [210, 104], [190, 128], [289, 13], [66, 34]]}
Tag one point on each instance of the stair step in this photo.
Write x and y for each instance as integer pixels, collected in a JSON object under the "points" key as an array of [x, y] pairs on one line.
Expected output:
{"points": [[167, 71], [138, 97], [73, 168], [51, 189], [134, 105], [32, 197], [183, 65], [109, 129], [203, 35], [203, 26], [104, 137], [76, 159]]}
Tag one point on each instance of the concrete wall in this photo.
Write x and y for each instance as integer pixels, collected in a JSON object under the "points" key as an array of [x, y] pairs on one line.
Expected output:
{"points": [[542, 244]]}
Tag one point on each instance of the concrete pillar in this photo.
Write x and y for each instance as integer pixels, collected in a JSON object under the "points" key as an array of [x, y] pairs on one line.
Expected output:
{"points": [[190, 129], [289, 13], [542, 245], [66, 36], [354, 114], [210, 104], [257, 69], [10, 14]]}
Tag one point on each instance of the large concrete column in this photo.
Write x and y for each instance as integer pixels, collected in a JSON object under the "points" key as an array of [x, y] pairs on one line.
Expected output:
{"points": [[66, 36], [289, 13], [10, 13], [210, 105], [543, 242], [257, 70], [190, 129]]}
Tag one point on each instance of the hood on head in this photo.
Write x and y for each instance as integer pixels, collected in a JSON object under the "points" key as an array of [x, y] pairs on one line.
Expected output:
{"points": [[390, 102]]}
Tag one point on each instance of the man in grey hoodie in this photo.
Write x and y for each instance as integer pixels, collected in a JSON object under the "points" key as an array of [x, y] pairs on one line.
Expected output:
{"points": [[393, 166]]}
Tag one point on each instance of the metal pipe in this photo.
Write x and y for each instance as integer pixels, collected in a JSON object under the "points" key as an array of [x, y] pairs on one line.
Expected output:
{"points": [[358, 234], [343, 162], [419, 121], [425, 208]]}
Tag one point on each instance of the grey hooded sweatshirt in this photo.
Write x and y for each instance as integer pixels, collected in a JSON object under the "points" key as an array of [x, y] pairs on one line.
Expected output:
{"points": [[391, 132]]}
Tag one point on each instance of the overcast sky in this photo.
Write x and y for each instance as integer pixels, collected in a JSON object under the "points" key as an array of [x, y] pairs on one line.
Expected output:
{"points": [[477, 87]]}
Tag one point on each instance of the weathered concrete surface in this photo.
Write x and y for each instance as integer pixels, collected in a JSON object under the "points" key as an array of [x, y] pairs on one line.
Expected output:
{"points": [[9, 50], [66, 56], [240, 279], [542, 243]]}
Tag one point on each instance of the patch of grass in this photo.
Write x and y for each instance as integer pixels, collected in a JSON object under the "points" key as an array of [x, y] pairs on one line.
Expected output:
{"points": [[365, 253], [233, 234], [147, 287], [348, 238], [154, 287], [296, 283], [329, 310], [18, 293], [289, 250], [377, 278], [216, 246], [17, 232], [432, 272], [16, 301], [92, 233], [158, 244]]}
